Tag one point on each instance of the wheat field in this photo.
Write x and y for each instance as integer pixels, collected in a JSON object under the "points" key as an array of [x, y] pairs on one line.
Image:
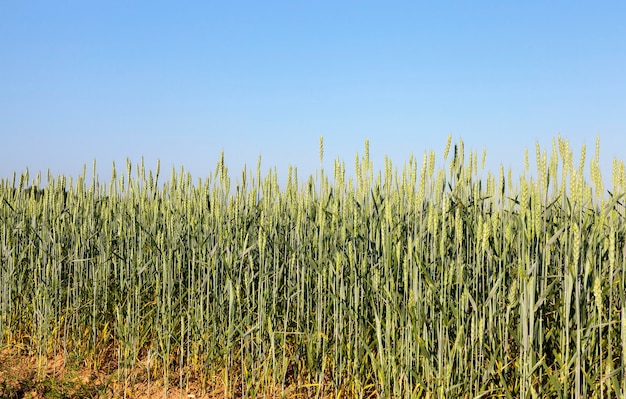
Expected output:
{"points": [[425, 281]]}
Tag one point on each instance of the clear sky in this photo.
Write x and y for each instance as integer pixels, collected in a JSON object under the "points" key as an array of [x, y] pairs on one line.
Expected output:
{"points": [[182, 81]]}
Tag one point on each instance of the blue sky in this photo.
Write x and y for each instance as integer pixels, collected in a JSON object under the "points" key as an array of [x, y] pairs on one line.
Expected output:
{"points": [[182, 81]]}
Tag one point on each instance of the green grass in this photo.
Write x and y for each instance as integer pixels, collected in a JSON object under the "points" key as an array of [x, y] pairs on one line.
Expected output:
{"points": [[418, 282]]}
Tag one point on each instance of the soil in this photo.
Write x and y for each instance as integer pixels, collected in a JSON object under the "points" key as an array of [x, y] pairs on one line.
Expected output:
{"points": [[23, 376]]}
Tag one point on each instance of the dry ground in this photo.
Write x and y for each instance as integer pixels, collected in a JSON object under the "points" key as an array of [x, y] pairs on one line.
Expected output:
{"points": [[22, 377]]}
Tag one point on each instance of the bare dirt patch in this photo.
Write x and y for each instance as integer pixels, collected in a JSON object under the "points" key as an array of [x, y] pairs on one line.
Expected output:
{"points": [[25, 376]]}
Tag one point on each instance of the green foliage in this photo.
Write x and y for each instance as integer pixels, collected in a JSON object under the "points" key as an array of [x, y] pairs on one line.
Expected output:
{"points": [[429, 283]]}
